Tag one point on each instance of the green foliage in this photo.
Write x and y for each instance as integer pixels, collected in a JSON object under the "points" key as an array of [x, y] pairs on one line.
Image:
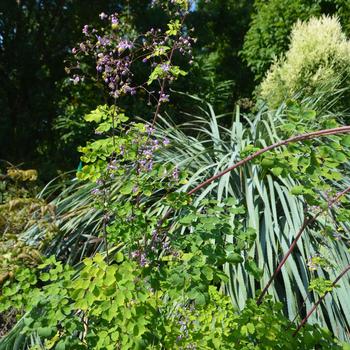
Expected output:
{"points": [[158, 286], [264, 189], [317, 63], [271, 25], [17, 208], [219, 75], [321, 286], [267, 37], [35, 41], [167, 256], [116, 306]]}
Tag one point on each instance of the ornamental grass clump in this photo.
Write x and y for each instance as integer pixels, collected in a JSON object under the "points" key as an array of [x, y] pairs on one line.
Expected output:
{"points": [[317, 63]]}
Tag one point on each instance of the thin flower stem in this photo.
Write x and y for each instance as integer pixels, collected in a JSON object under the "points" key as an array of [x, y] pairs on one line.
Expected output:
{"points": [[306, 223], [162, 87], [106, 199], [302, 323]]}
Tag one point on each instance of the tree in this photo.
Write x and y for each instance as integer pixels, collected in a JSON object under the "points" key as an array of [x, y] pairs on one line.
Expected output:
{"points": [[271, 25]]}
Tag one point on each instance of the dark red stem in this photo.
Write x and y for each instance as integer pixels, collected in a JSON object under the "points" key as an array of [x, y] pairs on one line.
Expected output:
{"points": [[303, 137], [306, 223], [302, 323]]}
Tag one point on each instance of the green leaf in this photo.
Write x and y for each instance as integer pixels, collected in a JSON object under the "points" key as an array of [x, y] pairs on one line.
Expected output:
{"points": [[44, 277], [277, 171], [267, 162], [253, 269], [61, 345], [127, 188], [309, 115], [45, 332], [97, 115], [234, 258], [297, 190], [188, 219], [345, 141], [119, 257], [103, 127]]}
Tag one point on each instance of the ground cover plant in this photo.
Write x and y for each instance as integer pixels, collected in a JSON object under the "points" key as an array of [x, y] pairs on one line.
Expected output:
{"points": [[200, 237]]}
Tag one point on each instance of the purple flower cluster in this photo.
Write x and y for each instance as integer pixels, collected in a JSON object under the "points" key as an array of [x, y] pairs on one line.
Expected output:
{"points": [[113, 54], [101, 189], [163, 98], [175, 174], [116, 48], [140, 256], [146, 151], [159, 241], [337, 236]]}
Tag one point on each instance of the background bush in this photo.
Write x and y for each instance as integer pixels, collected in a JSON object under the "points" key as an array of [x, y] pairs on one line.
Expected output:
{"points": [[271, 25], [317, 62]]}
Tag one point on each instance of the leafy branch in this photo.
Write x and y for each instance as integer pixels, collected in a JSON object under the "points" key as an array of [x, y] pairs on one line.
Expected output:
{"points": [[302, 323], [306, 223]]}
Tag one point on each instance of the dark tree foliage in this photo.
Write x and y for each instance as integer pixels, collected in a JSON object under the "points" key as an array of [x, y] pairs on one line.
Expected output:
{"points": [[221, 76], [41, 113], [35, 38]]}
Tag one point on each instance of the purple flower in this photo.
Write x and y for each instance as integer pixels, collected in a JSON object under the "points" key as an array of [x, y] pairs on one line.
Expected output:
{"points": [[100, 182], [150, 165], [135, 254], [175, 174], [128, 89], [85, 30], [112, 165], [147, 153], [123, 45], [114, 20], [165, 67], [337, 236], [166, 141], [164, 98], [166, 245], [102, 15], [76, 79], [143, 260], [149, 130], [103, 41], [96, 192]]}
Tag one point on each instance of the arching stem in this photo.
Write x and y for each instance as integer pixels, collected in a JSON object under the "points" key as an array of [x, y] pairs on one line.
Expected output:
{"points": [[302, 137], [306, 223]]}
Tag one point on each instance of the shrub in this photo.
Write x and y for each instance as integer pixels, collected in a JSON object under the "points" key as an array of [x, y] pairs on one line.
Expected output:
{"points": [[317, 63], [271, 25], [269, 31]]}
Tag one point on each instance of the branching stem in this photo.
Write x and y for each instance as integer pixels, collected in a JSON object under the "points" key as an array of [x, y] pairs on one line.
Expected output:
{"points": [[302, 323], [306, 223]]}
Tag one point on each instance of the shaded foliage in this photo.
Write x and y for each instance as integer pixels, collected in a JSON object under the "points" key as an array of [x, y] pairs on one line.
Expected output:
{"points": [[35, 38]]}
